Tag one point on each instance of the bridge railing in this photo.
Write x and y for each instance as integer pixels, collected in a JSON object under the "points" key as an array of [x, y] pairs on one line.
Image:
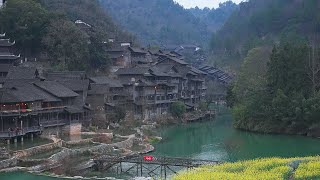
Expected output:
{"points": [[160, 160]]}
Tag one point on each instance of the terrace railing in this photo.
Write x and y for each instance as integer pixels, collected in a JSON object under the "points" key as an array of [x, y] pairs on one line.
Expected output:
{"points": [[30, 111], [15, 133]]}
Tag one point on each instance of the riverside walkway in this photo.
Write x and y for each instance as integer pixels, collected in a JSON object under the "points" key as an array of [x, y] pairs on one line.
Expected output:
{"points": [[150, 165]]}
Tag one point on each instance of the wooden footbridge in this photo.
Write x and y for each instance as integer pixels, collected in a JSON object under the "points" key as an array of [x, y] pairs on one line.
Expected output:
{"points": [[152, 166]]}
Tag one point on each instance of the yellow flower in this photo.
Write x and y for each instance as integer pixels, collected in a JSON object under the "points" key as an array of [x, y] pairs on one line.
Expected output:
{"points": [[262, 169]]}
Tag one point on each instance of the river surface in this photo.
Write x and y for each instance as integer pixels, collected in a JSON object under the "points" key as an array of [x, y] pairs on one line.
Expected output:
{"points": [[217, 140]]}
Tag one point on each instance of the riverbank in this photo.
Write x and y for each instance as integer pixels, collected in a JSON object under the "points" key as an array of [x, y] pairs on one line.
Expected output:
{"points": [[73, 158], [267, 169], [278, 128]]}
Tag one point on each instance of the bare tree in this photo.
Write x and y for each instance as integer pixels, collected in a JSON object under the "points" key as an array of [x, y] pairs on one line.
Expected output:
{"points": [[314, 66]]}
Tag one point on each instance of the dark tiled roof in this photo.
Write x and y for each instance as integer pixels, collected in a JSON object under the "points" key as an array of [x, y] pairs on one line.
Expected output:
{"points": [[158, 72], [143, 82], [9, 57], [56, 89], [174, 59], [74, 109], [133, 71], [168, 69], [115, 54], [75, 84], [54, 75], [98, 89], [6, 43], [137, 50], [22, 73], [106, 80], [24, 91], [195, 70], [154, 51]]}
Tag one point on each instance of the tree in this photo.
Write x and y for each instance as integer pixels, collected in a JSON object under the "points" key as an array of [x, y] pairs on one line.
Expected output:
{"points": [[314, 67], [25, 22], [67, 45], [287, 69], [178, 109], [98, 54]]}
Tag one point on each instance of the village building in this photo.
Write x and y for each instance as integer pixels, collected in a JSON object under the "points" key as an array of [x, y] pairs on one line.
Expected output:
{"points": [[142, 86], [31, 103], [155, 87], [7, 58], [105, 96]]}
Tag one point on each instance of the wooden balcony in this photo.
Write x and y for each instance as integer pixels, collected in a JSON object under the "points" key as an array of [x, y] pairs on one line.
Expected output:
{"points": [[30, 111], [24, 131]]}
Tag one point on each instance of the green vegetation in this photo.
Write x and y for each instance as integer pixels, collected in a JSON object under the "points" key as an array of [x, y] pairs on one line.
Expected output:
{"points": [[154, 140], [267, 169], [279, 94], [46, 29], [258, 23], [178, 109], [215, 18], [166, 22], [204, 106]]}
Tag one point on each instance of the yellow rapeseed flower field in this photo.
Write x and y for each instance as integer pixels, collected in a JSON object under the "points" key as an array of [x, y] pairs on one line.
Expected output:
{"points": [[258, 169]]}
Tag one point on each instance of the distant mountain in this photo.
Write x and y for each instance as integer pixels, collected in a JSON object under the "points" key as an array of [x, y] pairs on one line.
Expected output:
{"points": [[261, 22], [215, 18], [158, 22]]}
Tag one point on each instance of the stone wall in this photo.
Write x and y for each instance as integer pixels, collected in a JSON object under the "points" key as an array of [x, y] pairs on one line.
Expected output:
{"points": [[8, 163], [72, 129], [37, 149], [49, 131], [107, 148]]}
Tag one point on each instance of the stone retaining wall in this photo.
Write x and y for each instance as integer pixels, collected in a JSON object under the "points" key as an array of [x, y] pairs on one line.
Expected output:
{"points": [[72, 129], [8, 163], [107, 148], [38, 149], [79, 142]]}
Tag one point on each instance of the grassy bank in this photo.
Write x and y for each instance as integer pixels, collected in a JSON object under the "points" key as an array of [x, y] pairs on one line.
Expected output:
{"points": [[266, 169]]}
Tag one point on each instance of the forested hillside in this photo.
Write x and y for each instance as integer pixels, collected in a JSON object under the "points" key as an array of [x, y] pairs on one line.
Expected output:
{"points": [[276, 91], [166, 22], [47, 30], [215, 18], [260, 22]]}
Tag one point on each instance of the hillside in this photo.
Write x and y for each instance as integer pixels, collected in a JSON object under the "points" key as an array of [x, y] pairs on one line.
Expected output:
{"points": [[46, 30], [162, 22], [278, 84], [260, 22], [215, 18]]}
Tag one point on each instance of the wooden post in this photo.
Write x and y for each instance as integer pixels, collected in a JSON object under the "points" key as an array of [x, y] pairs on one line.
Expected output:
{"points": [[165, 172], [141, 168], [137, 169]]}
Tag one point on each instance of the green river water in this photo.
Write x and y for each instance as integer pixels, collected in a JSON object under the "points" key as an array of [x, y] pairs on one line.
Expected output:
{"points": [[217, 140]]}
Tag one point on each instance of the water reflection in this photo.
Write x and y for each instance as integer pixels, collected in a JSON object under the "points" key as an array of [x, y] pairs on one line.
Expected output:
{"points": [[217, 140]]}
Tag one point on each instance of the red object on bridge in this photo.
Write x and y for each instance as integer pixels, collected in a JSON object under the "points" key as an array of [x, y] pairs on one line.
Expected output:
{"points": [[148, 158]]}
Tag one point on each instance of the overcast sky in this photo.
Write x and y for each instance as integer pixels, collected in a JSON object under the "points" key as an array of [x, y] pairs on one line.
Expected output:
{"points": [[202, 3]]}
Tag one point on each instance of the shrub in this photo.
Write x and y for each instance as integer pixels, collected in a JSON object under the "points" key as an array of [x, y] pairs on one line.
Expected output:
{"points": [[178, 109], [203, 106]]}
